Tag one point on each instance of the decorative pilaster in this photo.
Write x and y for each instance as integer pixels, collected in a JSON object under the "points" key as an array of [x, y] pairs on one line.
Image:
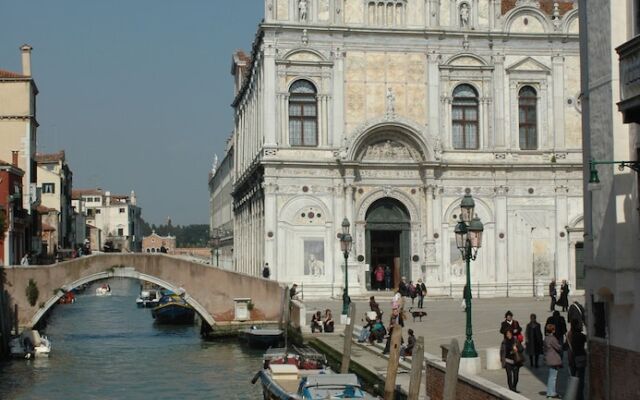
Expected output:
{"points": [[338, 97], [498, 108], [430, 244], [433, 88], [561, 238], [502, 238], [557, 76]]}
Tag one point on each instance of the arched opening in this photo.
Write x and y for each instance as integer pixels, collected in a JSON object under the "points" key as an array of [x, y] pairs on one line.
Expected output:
{"points": [[388, 244]]}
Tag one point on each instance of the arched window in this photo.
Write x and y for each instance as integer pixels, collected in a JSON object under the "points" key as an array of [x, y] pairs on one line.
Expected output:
{"points": [[303, 114], [464, 116], [528, 118]]}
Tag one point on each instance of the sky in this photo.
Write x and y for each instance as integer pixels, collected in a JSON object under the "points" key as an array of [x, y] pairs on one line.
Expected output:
{"points": [[137, 92]]}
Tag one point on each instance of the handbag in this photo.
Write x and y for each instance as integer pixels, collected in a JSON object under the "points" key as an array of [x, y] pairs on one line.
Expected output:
{"points": [[518, 358]]}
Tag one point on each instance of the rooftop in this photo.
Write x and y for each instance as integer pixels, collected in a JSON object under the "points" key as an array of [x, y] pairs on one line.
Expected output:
{"points": [[50, 157]]}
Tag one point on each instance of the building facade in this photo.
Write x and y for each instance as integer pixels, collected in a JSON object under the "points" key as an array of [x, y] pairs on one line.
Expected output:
{"points": [[610, 50], [117, 218], [386, 113], [55, 181], [18, 132], [221, 209], [13, 218], [154, 244]]}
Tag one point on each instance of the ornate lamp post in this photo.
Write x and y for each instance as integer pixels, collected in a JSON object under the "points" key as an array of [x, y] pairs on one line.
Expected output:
{"points": [[468, 239], [215, 242], [345, 245]]}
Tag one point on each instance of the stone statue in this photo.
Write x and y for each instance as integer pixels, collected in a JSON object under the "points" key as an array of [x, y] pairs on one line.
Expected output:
{"points": [[464, 15], [302, 8], [391, 102]]}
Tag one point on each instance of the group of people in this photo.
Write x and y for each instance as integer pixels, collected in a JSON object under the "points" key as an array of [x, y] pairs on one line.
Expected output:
{"points": [[563, 301], [322, 324], [552, 345]]}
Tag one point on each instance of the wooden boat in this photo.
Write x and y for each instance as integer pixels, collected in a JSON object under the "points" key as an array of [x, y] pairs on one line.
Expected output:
{"points": [[260, 337], [173, 309], [287, 382], [148, 298]]}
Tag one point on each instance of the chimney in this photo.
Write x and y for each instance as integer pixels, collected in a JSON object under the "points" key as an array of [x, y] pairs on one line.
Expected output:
{"points": [[14, 157], [26, 59]]}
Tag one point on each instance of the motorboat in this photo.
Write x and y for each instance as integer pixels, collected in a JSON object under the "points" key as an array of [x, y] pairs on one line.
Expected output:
{"points": [[305, 358], [149, 298], [30, 344], [261, 337], [67, 298], [173, 309], [104, 290], [288, 382]]}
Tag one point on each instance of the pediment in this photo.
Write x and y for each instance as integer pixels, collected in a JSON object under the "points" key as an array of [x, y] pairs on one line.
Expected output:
{"points": [[303, 56], [466, 60], [529, 64]]}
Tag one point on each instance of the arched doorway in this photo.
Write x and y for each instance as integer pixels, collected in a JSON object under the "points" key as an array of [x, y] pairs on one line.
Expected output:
{"points": [[388, 241]]}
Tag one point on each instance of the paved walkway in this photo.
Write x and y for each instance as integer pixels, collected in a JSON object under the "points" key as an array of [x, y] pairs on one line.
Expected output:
{"points": [[446, 320]]}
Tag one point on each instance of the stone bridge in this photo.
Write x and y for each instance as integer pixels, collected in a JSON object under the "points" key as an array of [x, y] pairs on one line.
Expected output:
{"points": [[211, 291]]}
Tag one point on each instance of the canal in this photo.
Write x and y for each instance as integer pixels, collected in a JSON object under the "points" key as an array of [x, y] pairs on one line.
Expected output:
{"points": [[106, 348]]}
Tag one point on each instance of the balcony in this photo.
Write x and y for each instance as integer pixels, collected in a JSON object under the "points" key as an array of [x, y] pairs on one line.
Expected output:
{"points": [[629, 105]]}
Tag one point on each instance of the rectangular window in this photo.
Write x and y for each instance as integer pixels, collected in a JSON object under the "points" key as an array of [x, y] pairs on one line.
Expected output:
{"points": [[303, 124], [98, 211], [122, 210], [48, 188], [120, 231]]}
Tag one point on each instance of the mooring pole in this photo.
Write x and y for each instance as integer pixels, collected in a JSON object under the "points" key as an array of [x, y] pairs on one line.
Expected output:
{"points": [[348, 340]]}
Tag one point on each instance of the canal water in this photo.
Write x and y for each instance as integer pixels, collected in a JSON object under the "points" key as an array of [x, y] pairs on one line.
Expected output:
{"points": [[106, 348]]}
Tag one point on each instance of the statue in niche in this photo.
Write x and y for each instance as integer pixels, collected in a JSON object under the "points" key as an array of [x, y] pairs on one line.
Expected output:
{"points": [[464, 15], [302, 8], [391, 102]]}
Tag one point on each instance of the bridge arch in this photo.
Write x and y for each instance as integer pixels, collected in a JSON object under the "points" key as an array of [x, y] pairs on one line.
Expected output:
{"points": [[209, 290], [125, 272]]}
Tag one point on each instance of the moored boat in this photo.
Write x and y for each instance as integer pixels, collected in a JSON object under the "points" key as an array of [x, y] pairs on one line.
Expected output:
{"points": [[149, 298], [104, 290], [173, 309], [30, 344], [288, 382], [261, 337]]}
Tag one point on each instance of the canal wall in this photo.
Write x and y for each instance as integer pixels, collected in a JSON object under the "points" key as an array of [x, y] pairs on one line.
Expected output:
{"points": [[210, 290]]}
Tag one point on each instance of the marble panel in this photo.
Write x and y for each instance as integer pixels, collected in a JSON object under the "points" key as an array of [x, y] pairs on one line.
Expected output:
{"points": [[356, 66], [324, 10], [415, 13], [353, 11], [375, 99], [375, 68], [282, 9], [416, 103], [355, 102], [396, 67], [444, 13], [416, 66], [400, 91], [483, 13]]}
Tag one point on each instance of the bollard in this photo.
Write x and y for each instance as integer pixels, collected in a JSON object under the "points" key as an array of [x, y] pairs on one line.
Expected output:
{"points": [[572, 388]]}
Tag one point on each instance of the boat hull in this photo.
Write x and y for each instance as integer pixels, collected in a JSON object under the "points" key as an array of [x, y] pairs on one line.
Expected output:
{"points": [[174, 314], [263, 338]]}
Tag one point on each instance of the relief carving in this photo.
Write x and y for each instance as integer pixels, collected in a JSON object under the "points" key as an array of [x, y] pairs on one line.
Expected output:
{"points": [[388, 150]]}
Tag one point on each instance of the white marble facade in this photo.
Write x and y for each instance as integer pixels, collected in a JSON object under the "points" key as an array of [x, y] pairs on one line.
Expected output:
{"points": [[347, 106]]}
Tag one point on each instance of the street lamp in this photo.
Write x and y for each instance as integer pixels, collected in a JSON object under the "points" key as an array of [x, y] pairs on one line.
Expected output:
{"points": [[345, 245], [468, 239], [215, 242]]}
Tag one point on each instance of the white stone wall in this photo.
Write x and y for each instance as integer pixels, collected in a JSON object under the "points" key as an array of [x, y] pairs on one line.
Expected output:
{"points": [[393, 83]]}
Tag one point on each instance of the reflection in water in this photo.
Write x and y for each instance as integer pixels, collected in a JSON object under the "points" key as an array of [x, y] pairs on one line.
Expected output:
{"points": [[107, 348]]}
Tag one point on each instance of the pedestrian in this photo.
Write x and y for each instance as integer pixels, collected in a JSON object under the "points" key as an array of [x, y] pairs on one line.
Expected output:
{"points": [[266, 272], [365, 332], [553, 293], [387, 345], [576, 311], [403, 288], [564, 296], [374, 306], [412, 292], [422, 292], [510, 324], [577, 355], [25, 259], [465, 292], [379, 277], [512, 359], [387, 278], [533, 335], [560, 325], [293, 291], [328, 323], [378, 331], [396, 300], [553, 359], [407, 351], [316, 322]]}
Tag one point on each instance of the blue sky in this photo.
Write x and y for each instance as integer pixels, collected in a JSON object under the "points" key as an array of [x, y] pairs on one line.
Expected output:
{"points": [[136, 91]]}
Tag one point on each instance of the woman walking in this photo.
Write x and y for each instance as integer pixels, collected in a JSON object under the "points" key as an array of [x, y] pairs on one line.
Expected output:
{"points": [[533, 335], [512, 359], [564, 296], [421, 288], [553, 359]]}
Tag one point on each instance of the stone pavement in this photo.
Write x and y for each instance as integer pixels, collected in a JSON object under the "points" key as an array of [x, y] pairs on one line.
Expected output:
{"points": [[446, 320]]}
